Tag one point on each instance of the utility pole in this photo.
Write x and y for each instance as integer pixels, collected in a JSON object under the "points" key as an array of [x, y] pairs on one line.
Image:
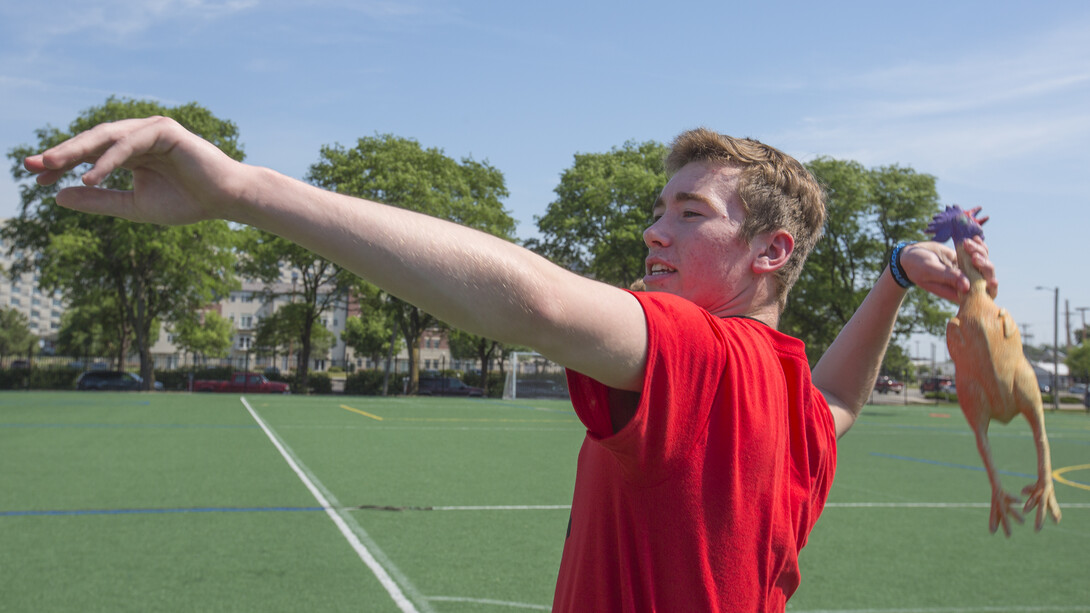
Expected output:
{"points": [[1055, 346], [1067, 324], [1083, 311]]}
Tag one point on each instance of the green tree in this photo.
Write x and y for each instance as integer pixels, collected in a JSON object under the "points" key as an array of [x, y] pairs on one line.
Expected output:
{"points": [[153, 272], [15, 335], [603, 204], [1078, 362], [318, 284], [399, 172], [867, 212], [92, 330], [372, 333], [464, 345], [204, 333], [284, 331]]}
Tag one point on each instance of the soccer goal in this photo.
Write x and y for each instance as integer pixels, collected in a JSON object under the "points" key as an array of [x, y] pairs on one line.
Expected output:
{"points": [[530, 375]]}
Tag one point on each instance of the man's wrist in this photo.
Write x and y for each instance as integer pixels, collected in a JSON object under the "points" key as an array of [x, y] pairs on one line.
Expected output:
{"points": [[895, 269]]}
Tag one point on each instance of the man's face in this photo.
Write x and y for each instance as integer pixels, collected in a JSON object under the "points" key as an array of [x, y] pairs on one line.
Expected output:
{"points": [[695, 249]]}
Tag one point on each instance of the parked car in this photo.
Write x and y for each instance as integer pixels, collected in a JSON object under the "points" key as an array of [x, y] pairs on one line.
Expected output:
{"points": [[447, 386], [1079, 389], [242, 383], [20, 365], [934, 384], [112, 380], [888, 384], [949, 388]]}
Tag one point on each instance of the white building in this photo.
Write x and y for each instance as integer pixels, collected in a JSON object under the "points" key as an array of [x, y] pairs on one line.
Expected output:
{"points": [[43, 309]]}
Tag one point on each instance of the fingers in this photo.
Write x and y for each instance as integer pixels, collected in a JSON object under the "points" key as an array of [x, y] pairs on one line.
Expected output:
{"points": [[107, 146], [978, 251], [934, 267]]}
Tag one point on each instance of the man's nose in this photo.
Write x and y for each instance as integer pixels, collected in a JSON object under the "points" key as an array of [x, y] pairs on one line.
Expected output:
{"points": [[656, 235]]}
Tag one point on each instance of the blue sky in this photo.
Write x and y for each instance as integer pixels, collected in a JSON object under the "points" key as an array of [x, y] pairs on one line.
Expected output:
{"points": [[991, 97]]}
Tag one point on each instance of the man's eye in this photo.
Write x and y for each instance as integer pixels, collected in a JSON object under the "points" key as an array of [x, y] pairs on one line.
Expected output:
{"points": [[690, 214]]}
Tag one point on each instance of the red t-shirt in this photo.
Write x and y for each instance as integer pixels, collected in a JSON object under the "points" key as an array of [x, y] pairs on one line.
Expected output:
{"points": [[704, 499]]}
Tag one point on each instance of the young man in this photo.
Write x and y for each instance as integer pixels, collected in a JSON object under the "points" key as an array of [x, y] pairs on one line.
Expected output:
{"points": [[710, 449]]}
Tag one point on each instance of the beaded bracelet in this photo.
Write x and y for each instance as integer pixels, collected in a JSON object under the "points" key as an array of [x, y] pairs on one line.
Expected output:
{"points": [[895, 267]]}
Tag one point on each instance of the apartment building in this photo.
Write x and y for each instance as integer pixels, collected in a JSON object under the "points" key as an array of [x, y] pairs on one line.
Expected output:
{"points": [[42, 309]]}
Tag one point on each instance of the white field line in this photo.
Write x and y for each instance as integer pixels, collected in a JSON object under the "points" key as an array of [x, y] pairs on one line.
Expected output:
{"points": [[352, 536], [498, 603]]}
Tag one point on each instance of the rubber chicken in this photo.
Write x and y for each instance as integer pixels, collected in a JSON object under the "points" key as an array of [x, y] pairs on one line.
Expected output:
{"points": [[994, 380]]}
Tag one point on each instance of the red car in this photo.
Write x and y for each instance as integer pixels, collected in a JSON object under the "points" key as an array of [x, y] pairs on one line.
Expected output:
{"points": [[887, 384], [243, 383], [935, 384]]}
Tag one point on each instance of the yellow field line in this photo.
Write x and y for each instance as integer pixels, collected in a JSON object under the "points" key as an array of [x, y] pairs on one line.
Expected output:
{"points": [[364, 413], [459, 419], [1058, 476]]}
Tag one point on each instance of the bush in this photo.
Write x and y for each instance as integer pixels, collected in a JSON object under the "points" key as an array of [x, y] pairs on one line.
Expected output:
{"points": [[173, 380], [53, 379], [369, 383], [319, 383], [39, 379], [495, 382]]}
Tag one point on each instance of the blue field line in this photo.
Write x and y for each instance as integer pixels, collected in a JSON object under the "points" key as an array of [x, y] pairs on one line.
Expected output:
{"points": [[16, 425], [157, 511], [949, 465]]}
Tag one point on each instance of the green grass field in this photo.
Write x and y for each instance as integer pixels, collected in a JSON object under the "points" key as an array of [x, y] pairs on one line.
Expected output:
{"points": [[175, 502]]}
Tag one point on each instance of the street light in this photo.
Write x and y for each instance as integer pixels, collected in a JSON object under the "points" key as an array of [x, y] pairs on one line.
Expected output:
{"points": [[1055, 345]]}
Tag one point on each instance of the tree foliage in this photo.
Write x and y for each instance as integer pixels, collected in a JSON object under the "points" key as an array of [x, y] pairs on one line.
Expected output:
{"points": [[373, 333], [152, 272], [464, 345], [15, 335], [400, 172], [318, 285], [868, 211], [603, 204], [1078, 362], [91, 330], [204, 333]]}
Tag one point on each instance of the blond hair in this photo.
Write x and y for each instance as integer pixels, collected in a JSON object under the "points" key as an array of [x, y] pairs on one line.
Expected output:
{"points": [[776, 191]]}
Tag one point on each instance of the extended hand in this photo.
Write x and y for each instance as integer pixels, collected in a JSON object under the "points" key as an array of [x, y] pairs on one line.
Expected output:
{"points": [[934, 267], [178, 177]]}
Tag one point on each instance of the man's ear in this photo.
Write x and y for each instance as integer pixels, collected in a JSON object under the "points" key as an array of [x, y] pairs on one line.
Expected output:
{"points": [[773, 249]]}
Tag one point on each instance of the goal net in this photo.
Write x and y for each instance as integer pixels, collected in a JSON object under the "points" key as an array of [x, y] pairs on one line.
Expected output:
{"points": [[529, 375]]}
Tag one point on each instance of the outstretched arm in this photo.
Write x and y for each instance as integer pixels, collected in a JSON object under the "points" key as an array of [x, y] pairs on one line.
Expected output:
{"points": [[845, 374], [467, 278]]}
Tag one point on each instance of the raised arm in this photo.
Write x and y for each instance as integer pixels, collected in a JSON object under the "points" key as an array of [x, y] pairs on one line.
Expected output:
{"points": [[846, 373], [467, 278]]}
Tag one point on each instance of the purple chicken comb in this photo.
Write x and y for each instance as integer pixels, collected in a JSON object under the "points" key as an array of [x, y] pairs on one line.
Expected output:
{"points": [[957, 224]]}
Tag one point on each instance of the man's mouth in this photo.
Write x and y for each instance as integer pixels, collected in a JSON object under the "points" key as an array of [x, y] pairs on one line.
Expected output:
{"points": [[660, 269]]}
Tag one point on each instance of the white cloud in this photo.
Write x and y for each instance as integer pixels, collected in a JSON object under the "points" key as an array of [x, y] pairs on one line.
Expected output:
{"points": [[112, 19], [988, 105]]}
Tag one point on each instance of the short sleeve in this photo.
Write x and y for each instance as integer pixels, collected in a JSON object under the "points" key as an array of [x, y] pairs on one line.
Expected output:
{"points": [[685, 363]]}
